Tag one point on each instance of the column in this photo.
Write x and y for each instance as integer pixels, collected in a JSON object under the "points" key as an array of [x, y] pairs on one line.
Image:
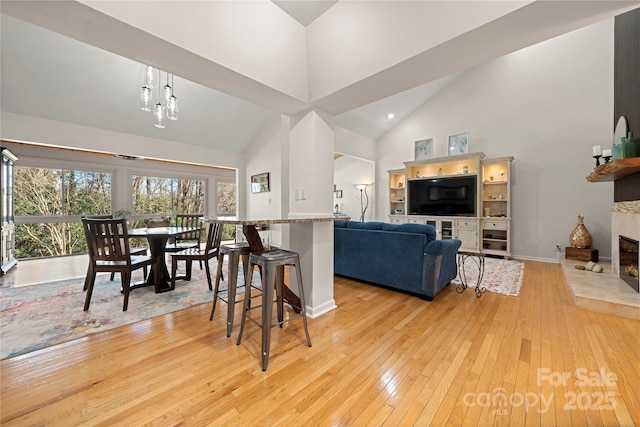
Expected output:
{"points": [[311, 149]]}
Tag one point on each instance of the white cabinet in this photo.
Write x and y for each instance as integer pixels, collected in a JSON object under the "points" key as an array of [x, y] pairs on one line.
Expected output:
{"points": [[467, 232], [397, 219]]}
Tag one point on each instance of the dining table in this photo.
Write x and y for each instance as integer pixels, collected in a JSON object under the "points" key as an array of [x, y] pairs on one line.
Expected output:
{"points": [[157, 237], [311, 236]]}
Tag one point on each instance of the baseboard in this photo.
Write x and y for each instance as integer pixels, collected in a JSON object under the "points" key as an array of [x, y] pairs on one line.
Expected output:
{"points": [[319, 310]]}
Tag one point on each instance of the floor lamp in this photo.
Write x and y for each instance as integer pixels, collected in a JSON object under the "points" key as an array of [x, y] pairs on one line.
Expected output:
{"points": [[364, 204]]}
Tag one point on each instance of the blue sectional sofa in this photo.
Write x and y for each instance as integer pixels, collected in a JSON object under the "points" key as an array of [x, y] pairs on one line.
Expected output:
{"points": [[405, 257]]}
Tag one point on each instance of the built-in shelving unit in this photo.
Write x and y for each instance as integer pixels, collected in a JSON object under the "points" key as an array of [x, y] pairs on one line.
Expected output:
{"points": [[496, 206], [489, 230], [397, 191]]}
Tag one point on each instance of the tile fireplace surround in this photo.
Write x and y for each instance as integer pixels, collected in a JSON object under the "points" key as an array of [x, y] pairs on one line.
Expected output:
{"points": [[625, 222]]}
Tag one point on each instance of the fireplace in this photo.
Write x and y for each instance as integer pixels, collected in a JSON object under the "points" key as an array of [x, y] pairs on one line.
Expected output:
{"points": [[628, 260]]}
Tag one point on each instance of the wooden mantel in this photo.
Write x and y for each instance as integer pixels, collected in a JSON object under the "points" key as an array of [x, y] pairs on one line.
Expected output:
{"points": [[615, 170]]}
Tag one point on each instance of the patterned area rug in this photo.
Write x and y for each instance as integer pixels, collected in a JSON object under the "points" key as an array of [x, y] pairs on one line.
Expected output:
{"points": [[39, 316], [500, 275]]}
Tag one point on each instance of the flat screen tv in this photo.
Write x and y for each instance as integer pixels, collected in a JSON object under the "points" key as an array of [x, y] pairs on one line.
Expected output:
{"points": [[452, 196]]}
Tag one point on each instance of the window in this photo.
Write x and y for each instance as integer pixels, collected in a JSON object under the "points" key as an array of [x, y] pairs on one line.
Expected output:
{"points": [[167, 196], [226, 205], [57, 192], [226, 198], [48, 203], [54, 188]]}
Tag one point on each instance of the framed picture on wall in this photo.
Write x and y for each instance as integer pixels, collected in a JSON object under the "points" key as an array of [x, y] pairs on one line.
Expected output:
{"points": [[423, 149], [260, 183], [458, 144]]}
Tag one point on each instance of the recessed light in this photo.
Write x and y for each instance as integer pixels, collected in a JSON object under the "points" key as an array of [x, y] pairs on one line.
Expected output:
{"points": [[390, 116]]}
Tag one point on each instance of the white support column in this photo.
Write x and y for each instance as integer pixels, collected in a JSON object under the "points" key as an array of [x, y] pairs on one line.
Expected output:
{"points": [[311, 149]]}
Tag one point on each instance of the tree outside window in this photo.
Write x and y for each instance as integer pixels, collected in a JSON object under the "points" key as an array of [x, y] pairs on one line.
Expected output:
{"points": [[226, 205], [167, 196], [48, 196]]}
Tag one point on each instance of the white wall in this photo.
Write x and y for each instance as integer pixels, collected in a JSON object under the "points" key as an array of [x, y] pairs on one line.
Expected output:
{"points": [[546, 105], [265, 155], [18, 127], [349, 171], [354, 144]]}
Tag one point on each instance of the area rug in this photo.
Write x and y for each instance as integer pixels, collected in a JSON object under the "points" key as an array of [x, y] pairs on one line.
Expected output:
{"points": [[501, 276], [39, 316]]}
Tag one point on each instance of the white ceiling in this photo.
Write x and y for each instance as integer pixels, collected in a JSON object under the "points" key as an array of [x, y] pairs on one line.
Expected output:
{"points": [[52, 76], [306, 11]]}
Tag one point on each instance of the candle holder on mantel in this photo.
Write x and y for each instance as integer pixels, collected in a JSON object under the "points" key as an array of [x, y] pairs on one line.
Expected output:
{"points": [[606, 159], [597, 159]]}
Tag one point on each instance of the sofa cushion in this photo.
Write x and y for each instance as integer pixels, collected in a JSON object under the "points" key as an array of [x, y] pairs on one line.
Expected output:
{"points": [[340, 223], [370, 225], [427, 230]]}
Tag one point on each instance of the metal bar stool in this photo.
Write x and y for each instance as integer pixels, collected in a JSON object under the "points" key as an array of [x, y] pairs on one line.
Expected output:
{"points": [[234, 251], [272, 265]]}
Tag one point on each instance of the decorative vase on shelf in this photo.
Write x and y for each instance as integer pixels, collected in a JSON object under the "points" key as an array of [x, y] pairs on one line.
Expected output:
{"points": [[580, 237], [631, 148], [616, 149]]}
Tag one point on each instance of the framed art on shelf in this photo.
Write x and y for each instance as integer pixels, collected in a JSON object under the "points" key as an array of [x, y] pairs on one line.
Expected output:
{"points": [[260, 183], [458, 144], [423, 149]]}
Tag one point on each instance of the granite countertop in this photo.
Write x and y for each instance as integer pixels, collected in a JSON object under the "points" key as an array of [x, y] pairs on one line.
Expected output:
{"points": [[266, 221]]}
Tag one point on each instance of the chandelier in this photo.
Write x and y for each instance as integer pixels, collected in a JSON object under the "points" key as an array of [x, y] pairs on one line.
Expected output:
{"points": [[167, 105]]}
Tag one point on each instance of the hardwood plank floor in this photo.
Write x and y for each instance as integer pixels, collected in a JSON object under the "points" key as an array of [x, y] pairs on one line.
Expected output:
{"points": [[380, 358]]}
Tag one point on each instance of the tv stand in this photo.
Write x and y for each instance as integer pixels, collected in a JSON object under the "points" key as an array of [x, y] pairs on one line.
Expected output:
{"points": [[489, 230]]}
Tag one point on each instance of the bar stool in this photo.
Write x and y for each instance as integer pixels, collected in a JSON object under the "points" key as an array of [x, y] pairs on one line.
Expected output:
{"points": [[272, 265], [234, 251]]}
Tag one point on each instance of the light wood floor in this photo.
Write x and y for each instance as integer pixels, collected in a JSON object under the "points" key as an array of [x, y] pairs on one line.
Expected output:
{"points": [[381, 358]]}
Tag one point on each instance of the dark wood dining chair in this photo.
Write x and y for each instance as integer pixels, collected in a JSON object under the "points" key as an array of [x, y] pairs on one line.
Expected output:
{"points": [[211, 249], [109, 252], [190, 240], [134, 251]]}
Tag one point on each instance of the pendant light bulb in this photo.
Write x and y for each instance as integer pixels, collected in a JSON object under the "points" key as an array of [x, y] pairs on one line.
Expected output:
{"points": [[172, 108], [145, 98], [158, 111], [158, 116], [167, 91], [172, 104]]}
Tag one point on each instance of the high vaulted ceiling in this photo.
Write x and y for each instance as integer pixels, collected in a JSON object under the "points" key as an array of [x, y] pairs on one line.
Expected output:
{"points": [[237, 64]]}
